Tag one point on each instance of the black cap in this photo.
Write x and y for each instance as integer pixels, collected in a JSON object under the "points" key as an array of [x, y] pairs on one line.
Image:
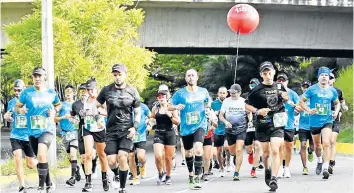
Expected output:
{"points": [[19, 83], [69, 86], [235, 88], [82, 86], [91, 84], [266, 65], [119, 68], [306, 82], [254, 80], [331, 75], [283, 76], [39, 71]]}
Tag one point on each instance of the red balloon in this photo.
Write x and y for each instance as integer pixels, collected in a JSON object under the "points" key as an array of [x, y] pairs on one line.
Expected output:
{"points": [[243, 18]]}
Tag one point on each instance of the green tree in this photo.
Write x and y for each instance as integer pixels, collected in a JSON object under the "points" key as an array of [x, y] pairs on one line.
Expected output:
{"points": [[89, 37]]}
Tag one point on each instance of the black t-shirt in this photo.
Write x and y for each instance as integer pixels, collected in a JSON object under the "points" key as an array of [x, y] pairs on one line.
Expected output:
{"points": [[120, 107], [77, 109], [340, 98], [267, 96]]}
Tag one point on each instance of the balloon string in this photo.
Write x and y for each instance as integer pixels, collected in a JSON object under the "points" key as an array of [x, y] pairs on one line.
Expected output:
{"points": [[238, 43]]}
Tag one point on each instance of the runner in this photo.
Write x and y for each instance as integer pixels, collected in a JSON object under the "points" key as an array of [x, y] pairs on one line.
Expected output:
{"points": [[19, 137], [289, 130], [139, 148], [37, 101], [123, 101], [94, 133], [320, 96], [233, 114], [304, 132], [208, 142], [69, 127], [253, 146], [267, 101], [164, 138], [336, 124], [191, 102], [219, 132]]}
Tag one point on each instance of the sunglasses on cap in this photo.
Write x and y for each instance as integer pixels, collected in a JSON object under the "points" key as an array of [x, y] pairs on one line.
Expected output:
{"points": [[18, 90]]}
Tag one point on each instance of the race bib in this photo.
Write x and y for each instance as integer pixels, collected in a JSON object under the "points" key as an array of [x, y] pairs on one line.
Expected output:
{"points": [[71, 135], [305, 114], [21, 122], [76, 124], [280, 119], [193, 118], [39, 122], [136, 138], [91, 123], [322, 109], [251, 129]]}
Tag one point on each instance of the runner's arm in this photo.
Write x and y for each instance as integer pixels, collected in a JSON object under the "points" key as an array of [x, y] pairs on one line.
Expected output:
{"points": [[303, 104]]}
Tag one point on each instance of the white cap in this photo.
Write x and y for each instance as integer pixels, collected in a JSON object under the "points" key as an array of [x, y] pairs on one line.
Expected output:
{"points": [[163, 87]]}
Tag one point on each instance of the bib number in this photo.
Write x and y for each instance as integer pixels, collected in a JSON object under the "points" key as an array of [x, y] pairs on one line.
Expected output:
{"points": [[21, 122], [322, 109], [193, 118], [280, 119], [70, 136], [251, 129], [91, 123], [136, 137], [39, 122]]}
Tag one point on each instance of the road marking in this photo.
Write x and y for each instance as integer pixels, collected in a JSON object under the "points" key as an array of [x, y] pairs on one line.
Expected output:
{"points": [[349, 158], [148, 179]]}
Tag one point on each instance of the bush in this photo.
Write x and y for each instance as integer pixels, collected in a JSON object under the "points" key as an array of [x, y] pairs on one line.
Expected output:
{"points": [[345, 83], [346, 135]]}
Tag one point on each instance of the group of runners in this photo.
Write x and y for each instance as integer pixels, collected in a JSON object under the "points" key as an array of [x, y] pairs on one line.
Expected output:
{"points": [[111, 126]]}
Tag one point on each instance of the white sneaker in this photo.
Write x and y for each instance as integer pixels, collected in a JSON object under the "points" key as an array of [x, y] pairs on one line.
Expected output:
{"points": [[115, 183], [287, 173], [222, 173], [228, 167], [51, 189], [281, 172]]}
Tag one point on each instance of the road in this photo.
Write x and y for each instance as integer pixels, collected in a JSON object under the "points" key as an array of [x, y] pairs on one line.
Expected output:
{"points": [[341, 181]]}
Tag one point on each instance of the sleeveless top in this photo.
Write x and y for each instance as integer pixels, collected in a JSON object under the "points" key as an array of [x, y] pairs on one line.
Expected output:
{"points": [[92, 117], [163, 122]]}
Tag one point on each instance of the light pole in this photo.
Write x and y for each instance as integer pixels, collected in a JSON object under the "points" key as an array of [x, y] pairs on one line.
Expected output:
{"points": [[48, 62]]}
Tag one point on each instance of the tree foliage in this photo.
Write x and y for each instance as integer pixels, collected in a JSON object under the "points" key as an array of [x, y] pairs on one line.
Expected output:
{"points": [[345, 83], [89, 37]]}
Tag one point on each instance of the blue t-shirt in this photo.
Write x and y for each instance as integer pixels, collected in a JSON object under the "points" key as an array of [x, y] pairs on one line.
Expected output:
{"points": [[19, 131], [65, 124], [290, 110], [304, 122], [216, 106], [193, 115], [320, 99], [38, 105], [141, 132]]}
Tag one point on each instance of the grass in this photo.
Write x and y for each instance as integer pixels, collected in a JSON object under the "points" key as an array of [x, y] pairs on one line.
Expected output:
{"points": [[345, 136], [345, 83]]}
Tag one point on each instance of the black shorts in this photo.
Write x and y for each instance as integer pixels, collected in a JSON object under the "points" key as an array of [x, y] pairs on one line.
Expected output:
{"points": [[189, 140], [165, 137], [336, 127], [250, 137], [46, 138], [317, 130], [289, 135], [265, 131], [219, 140], [98, 137], [207, 141], [139, 145], [231, 139], [24, 145], [82, 147], [305, 135], [123, 144]]}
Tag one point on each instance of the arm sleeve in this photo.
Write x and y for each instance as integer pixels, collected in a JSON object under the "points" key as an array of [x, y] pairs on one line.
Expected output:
{"points": [[101, 97], [136, 102], [335, 95], [340, 95], [56, 100]]}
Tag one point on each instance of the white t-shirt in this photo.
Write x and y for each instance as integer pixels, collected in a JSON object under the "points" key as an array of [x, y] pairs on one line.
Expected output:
{"points": [[234, 110]]}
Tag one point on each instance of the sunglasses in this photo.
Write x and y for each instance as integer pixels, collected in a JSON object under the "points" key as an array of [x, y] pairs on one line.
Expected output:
{"points": [[161, 96], [281, 80], [18, 90]]}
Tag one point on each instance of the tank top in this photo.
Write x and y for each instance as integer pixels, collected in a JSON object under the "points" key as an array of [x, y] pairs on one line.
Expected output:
{"points": [[163, 122], [92, 117]]}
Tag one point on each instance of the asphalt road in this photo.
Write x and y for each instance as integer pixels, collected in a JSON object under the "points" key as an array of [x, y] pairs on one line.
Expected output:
{"points": [[340, 181]]}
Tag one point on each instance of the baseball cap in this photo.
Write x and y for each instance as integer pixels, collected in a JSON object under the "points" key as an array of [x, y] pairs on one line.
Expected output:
{"points": [[91, 84], [38, 71], [69, 86], [282, 76], [306, 82], [266, 65], [82, 86], [331, 75], [163, 87], [235, 88], [119, 68], [19, 83]]}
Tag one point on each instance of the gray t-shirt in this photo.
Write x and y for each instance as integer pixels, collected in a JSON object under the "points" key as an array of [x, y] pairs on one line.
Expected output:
{"points": [[235, 113]]}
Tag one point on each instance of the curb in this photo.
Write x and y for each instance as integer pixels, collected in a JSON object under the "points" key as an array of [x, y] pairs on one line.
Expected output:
{"points": [[58, 176], [342, 148]]}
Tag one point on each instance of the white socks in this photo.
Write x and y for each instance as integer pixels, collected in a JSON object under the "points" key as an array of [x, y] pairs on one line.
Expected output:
{"points": [[319, 159]]}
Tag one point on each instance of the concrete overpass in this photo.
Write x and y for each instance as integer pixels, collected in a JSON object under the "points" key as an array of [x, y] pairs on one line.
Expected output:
{"points": [[287, 27]]}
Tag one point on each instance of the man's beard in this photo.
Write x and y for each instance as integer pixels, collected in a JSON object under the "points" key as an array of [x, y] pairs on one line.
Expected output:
{"points": [[190, 83], [118, 83]]}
